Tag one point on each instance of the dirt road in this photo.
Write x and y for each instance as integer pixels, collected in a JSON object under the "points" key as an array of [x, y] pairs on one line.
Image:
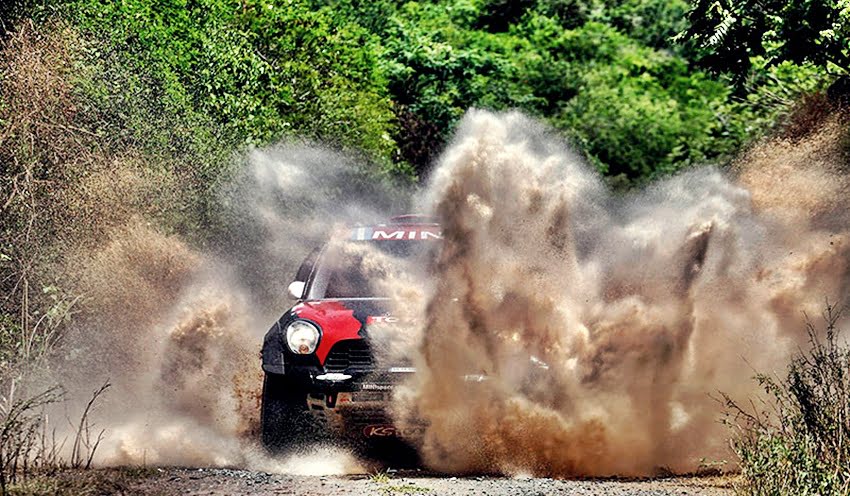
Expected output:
{"points": [[173, 481]]}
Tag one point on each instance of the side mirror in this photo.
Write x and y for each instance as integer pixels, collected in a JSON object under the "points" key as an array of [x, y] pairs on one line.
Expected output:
{"points": [[296, 289]]}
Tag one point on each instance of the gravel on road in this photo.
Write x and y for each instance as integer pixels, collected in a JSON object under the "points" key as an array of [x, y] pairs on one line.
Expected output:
{"points": [[195, 481]]}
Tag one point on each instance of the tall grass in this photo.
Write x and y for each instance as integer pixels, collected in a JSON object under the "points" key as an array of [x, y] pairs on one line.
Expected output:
{"points": [[797, 441], [26, 445], [29, 443]]}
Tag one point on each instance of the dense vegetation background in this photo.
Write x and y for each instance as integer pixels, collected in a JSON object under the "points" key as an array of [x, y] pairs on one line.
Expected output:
{"points": [[390, 78], [110, 109]]}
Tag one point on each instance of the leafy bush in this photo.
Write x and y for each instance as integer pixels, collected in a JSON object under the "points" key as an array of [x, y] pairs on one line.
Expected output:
{"points": [[261, 70], [799, 445], [391, 78], [611, 78], [738, 31], [641, 112]]}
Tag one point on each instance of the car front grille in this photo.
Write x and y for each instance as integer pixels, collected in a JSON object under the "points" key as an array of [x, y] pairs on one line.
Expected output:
{"points": [[351, 355]]}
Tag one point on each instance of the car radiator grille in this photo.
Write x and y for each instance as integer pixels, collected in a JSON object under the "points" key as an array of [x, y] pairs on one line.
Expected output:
{"points": [[351, 355]]}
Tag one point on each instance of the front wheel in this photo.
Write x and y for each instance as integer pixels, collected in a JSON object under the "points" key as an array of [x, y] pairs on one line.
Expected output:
{"points": [[285, 419]]}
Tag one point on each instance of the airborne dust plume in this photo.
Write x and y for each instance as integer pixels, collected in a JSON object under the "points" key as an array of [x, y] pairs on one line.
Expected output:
{"points": [[638, 305], [634, 307], [177, 330]]}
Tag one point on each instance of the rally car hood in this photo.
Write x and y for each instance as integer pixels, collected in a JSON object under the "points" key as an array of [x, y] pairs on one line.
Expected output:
{"points": [[341, 319]]}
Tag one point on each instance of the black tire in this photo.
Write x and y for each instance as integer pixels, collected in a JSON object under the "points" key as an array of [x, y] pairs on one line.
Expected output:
{"points": [[285, 420]]}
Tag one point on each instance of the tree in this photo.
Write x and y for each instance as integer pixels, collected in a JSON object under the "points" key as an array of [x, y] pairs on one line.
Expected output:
{"points": [[799, 31]]}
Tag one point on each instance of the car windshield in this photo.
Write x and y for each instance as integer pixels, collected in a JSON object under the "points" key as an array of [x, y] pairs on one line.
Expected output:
{"points": [[366, 269]]}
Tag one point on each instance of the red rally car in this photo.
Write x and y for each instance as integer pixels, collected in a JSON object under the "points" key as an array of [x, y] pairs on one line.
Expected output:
{"points": [[321, 376]]}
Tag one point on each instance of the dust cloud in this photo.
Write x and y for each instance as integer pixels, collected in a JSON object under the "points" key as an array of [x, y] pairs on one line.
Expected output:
{"points": [[570, 331], [176, 329], [561, 329]]}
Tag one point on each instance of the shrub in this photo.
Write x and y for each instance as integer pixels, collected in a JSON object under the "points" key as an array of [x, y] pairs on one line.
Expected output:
{"points": [[800, 443], [262, 70]]}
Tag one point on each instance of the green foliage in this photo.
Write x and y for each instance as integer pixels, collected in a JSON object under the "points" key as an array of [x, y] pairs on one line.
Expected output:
{"points": [[196, 79], [634, 108], [260, 70], [383, 481], [653, 23], [799, 444], [185, 85], [437, 69], [640, 112], [736, 31], [771, 90]]}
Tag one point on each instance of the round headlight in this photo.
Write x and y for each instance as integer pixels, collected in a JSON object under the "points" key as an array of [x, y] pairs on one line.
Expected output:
{"points": [[302, 337]]}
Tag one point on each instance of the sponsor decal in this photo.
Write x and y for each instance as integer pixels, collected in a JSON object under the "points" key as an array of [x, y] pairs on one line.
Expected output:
{"points": [[392, 235], [382, 319], [389, 430], [383, 233], [387, 319], [393, 232], [376, 387], [379, 430]]}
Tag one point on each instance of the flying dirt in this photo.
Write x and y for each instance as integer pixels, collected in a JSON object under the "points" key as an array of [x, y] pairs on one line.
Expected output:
{"points": [[640, 304], [177, 330]]}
